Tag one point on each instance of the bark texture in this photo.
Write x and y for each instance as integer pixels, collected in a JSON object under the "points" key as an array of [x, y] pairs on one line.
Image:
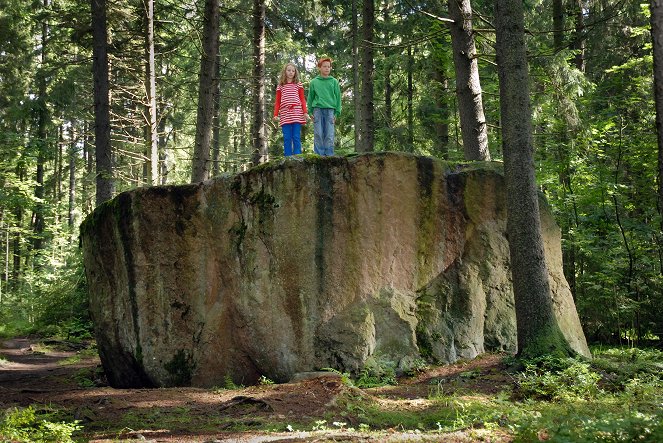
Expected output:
{"points": [[258, 135], [102, 133], [656, 8], [468, 86], [367, 137], [206, 85], [538, 330]]}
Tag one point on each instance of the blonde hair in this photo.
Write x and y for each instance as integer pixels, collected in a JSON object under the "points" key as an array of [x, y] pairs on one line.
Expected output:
{"points": [[283, 79]]}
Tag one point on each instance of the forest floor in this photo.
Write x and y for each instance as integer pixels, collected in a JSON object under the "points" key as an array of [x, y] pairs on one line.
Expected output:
{"points": [[61, 378]]}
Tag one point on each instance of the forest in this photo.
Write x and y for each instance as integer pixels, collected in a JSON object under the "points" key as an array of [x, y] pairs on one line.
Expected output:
{"points": [[101, 97]]}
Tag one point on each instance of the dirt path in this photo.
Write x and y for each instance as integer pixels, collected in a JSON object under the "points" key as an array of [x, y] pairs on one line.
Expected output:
{"points": [[68, 379]]}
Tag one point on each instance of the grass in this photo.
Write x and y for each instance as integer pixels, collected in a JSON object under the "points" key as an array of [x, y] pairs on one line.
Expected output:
{"points": [[616, 397]]}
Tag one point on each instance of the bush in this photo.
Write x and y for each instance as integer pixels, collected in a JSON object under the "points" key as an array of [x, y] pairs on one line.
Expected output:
{"points": [[558, 379], [30, 426]]}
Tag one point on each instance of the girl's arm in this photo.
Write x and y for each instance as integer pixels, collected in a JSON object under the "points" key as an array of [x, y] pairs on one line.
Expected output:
{"points": [[277, 103], [302, 99]]}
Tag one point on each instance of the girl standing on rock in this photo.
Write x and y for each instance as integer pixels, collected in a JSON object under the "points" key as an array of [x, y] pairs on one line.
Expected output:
{"points": [[290, 109]]}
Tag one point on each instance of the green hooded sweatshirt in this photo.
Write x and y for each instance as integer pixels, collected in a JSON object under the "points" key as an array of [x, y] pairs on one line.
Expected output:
{"points": [[324, 92]]}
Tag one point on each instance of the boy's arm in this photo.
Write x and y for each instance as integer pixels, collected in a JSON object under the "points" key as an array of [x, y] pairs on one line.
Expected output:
{"points": [[311, 94], [337, 86], [277, 103]]}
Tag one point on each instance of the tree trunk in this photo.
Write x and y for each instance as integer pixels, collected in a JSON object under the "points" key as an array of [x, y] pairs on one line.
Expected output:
{"points": [[216, 122], [207, 80], [538, 331], [579, 42], [468, 87], [72, 178], [163, 152], [16, 240], [656, 8], [258, 135], [558, 24], [42, 143], [367, 68], [59, 168], [356, 87], [151, 94], [103, 154], [441, 119], [410, 101]]}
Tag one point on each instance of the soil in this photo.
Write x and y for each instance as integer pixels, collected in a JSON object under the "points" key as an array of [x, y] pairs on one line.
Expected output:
{"points": [[60, 376]]}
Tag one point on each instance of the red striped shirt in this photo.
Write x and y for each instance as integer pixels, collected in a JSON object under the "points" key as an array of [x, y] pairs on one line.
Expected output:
{"points": [[290, 104]]}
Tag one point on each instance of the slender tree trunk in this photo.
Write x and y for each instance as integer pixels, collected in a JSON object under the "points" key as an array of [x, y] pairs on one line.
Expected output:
{"points": [[243, 149], [388, 107], [538, 331], [42, 140], [558, 24], [89, 159], [152, 141], [16, 239], [441, 120], [216, 141], [656, 8], [468, 86], [410, 100], [367, 119], [258, 135], [163, 151], [72, 178], [356, 86], [6, 267], [207, 80], [103, 152], [580, 38], [224, 139], [216, 123]]}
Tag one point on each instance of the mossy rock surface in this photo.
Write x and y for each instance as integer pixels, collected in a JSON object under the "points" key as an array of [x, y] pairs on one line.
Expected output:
{"points": [[307, 263]]}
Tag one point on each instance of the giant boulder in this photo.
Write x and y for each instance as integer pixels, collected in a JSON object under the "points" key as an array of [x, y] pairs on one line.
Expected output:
{"points": [[308, 263]]}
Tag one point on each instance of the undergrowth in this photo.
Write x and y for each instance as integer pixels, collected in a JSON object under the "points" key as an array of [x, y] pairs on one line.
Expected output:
{"points": [[615, 397], [36, 425]]}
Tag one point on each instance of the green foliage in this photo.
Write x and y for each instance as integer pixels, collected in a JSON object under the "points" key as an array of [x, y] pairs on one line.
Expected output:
{"points": [[345, 377], [229, 384], [36, 425], [264, 381], [558, 379], [377, 372], [53, 304], [580, 410]]}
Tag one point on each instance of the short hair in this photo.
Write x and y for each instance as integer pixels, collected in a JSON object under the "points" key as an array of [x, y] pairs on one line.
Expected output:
{"points": [[324, 59]]}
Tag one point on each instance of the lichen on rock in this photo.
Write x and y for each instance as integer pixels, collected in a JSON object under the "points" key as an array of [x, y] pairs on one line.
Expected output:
{"points": [[307, 263]]}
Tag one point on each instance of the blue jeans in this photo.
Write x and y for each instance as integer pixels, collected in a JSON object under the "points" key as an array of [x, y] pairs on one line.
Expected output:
{"points": [[323, 131], [292, 138]]}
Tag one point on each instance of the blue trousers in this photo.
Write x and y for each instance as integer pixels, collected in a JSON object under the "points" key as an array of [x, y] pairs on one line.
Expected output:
{"points": [[323, 131], [292, 138]]}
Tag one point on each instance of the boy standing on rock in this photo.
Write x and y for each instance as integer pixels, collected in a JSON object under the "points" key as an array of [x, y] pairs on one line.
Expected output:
{"points": [[324, 105]]}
